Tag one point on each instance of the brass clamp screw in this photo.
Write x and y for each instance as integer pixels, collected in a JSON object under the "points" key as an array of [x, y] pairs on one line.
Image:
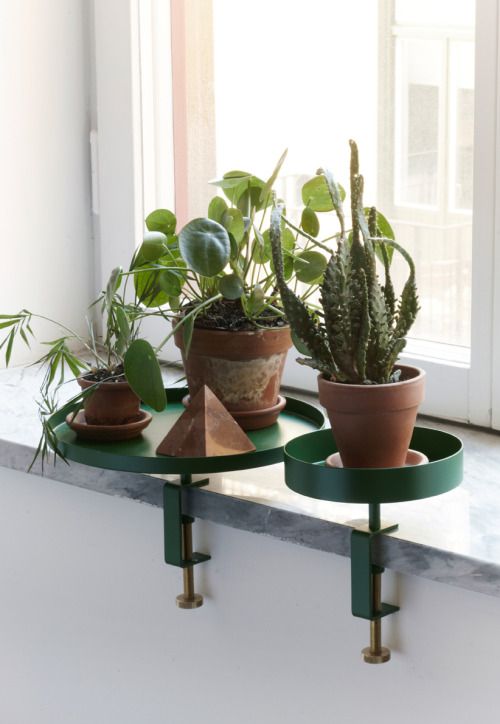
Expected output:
{"points": [[375, 653], [188, 599]]}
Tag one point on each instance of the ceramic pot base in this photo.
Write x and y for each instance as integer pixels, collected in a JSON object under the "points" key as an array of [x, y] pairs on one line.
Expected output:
{"points": [[413, 457], [108, 433], [253, 419]]}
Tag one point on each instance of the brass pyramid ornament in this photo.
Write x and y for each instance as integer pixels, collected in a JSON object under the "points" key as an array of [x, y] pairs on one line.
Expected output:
{"points": [[205, 429]]}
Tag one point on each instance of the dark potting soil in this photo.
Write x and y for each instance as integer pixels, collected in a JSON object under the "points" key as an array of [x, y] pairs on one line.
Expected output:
{"points": [[99, 375], [228, 315]]}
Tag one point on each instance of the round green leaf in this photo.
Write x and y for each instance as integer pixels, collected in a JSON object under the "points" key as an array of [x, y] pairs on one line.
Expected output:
{"points": [[260, 253], [148, 289], [234, 223], [143, 374], [310, 222], [230, 181], [161, 220], [287, 266], [247, 195], [231, 286], [216, 209], [170, 282], [309, 266], [316, 195], [153, 246], [205, 246]]}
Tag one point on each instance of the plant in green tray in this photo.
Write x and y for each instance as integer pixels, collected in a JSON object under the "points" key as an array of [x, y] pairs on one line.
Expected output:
{"points": [[119, 355]]}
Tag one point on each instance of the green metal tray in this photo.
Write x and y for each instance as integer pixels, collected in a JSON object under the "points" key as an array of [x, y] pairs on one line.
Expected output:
{"points": [[306, 473], [139, 456]]}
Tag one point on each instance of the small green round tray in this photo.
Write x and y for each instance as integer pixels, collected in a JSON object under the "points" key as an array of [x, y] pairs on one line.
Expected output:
{"points": [[306, 473], [139, 455]]}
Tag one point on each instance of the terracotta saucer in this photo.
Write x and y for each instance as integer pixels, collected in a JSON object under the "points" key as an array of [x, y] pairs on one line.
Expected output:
{"points": [[108, 433], [253, 419], [413, 457]]}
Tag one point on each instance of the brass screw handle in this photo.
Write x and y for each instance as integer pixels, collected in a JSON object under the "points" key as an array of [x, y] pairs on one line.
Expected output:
{"points": [[375, 653], [188, 599]]}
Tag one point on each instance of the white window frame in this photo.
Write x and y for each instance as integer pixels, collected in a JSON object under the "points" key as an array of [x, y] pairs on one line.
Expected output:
{"points": [[127, 39]]}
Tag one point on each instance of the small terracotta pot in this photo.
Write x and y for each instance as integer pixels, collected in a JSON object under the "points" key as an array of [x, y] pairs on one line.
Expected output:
{"points": [[242, 368], [373, 424], [112, 403]]}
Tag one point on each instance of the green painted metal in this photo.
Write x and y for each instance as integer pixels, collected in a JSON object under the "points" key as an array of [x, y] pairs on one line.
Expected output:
{"points": [[139, 456], [306, 473], [172, 523], [362, 570]]}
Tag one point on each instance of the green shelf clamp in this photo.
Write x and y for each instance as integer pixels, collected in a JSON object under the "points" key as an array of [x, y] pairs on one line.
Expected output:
{"points": [[177, 529], [366, 585]]}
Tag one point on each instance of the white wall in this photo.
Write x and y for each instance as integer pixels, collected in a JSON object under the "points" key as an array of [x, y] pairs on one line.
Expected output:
{"points": [[90, 632], [45, 233]]}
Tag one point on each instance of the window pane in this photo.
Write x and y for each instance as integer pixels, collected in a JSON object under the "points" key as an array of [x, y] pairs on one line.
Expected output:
{"points": [[418, 73], [289, 75]]}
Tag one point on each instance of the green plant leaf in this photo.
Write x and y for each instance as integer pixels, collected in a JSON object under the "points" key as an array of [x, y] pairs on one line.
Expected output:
{"points": [[235, 249], [154, 246], [114, 281], [234, 223], [143, 374], [309, 266], [246, 195], [161, 220], [256, 301], [261, 253], [231, 286], [148, 289], [205, 246], [310, 222], [266, 191], [231, 179], [300, 346], [123, 326], [316, 196], [216, 209]]}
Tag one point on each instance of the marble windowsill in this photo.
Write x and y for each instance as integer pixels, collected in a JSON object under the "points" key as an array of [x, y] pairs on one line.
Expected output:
{"points": [[453, 538]]}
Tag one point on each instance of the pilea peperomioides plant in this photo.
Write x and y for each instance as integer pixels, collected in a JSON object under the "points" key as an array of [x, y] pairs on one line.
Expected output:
{"points": [[358, 334]]}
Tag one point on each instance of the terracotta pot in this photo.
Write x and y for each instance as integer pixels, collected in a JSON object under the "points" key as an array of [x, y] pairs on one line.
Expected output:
{"points": [[112, 403], [373, 424], [243, 369]]}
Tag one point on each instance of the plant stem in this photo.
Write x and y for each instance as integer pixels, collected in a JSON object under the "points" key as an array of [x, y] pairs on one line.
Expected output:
{"points": [[307, 236]]}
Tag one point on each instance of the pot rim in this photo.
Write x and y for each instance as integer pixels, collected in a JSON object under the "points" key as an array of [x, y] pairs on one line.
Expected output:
{"points": [[348, 385], [85, 383], [259, 330]]}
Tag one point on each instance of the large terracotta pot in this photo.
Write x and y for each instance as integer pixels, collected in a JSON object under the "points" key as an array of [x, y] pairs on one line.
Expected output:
{"points": [[242, 368], [373, 424], [112, 403]]}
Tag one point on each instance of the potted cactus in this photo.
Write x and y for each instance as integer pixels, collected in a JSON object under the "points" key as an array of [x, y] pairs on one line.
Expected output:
{"points": [[355, 338], [215, 281]]}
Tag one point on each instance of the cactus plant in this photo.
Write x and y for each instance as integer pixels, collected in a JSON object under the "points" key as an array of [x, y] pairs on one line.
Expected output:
{"points": [[360, 331]]}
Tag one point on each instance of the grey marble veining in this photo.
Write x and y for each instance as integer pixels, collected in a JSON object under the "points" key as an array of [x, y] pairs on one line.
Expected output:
{"points": [[453, 538]]}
